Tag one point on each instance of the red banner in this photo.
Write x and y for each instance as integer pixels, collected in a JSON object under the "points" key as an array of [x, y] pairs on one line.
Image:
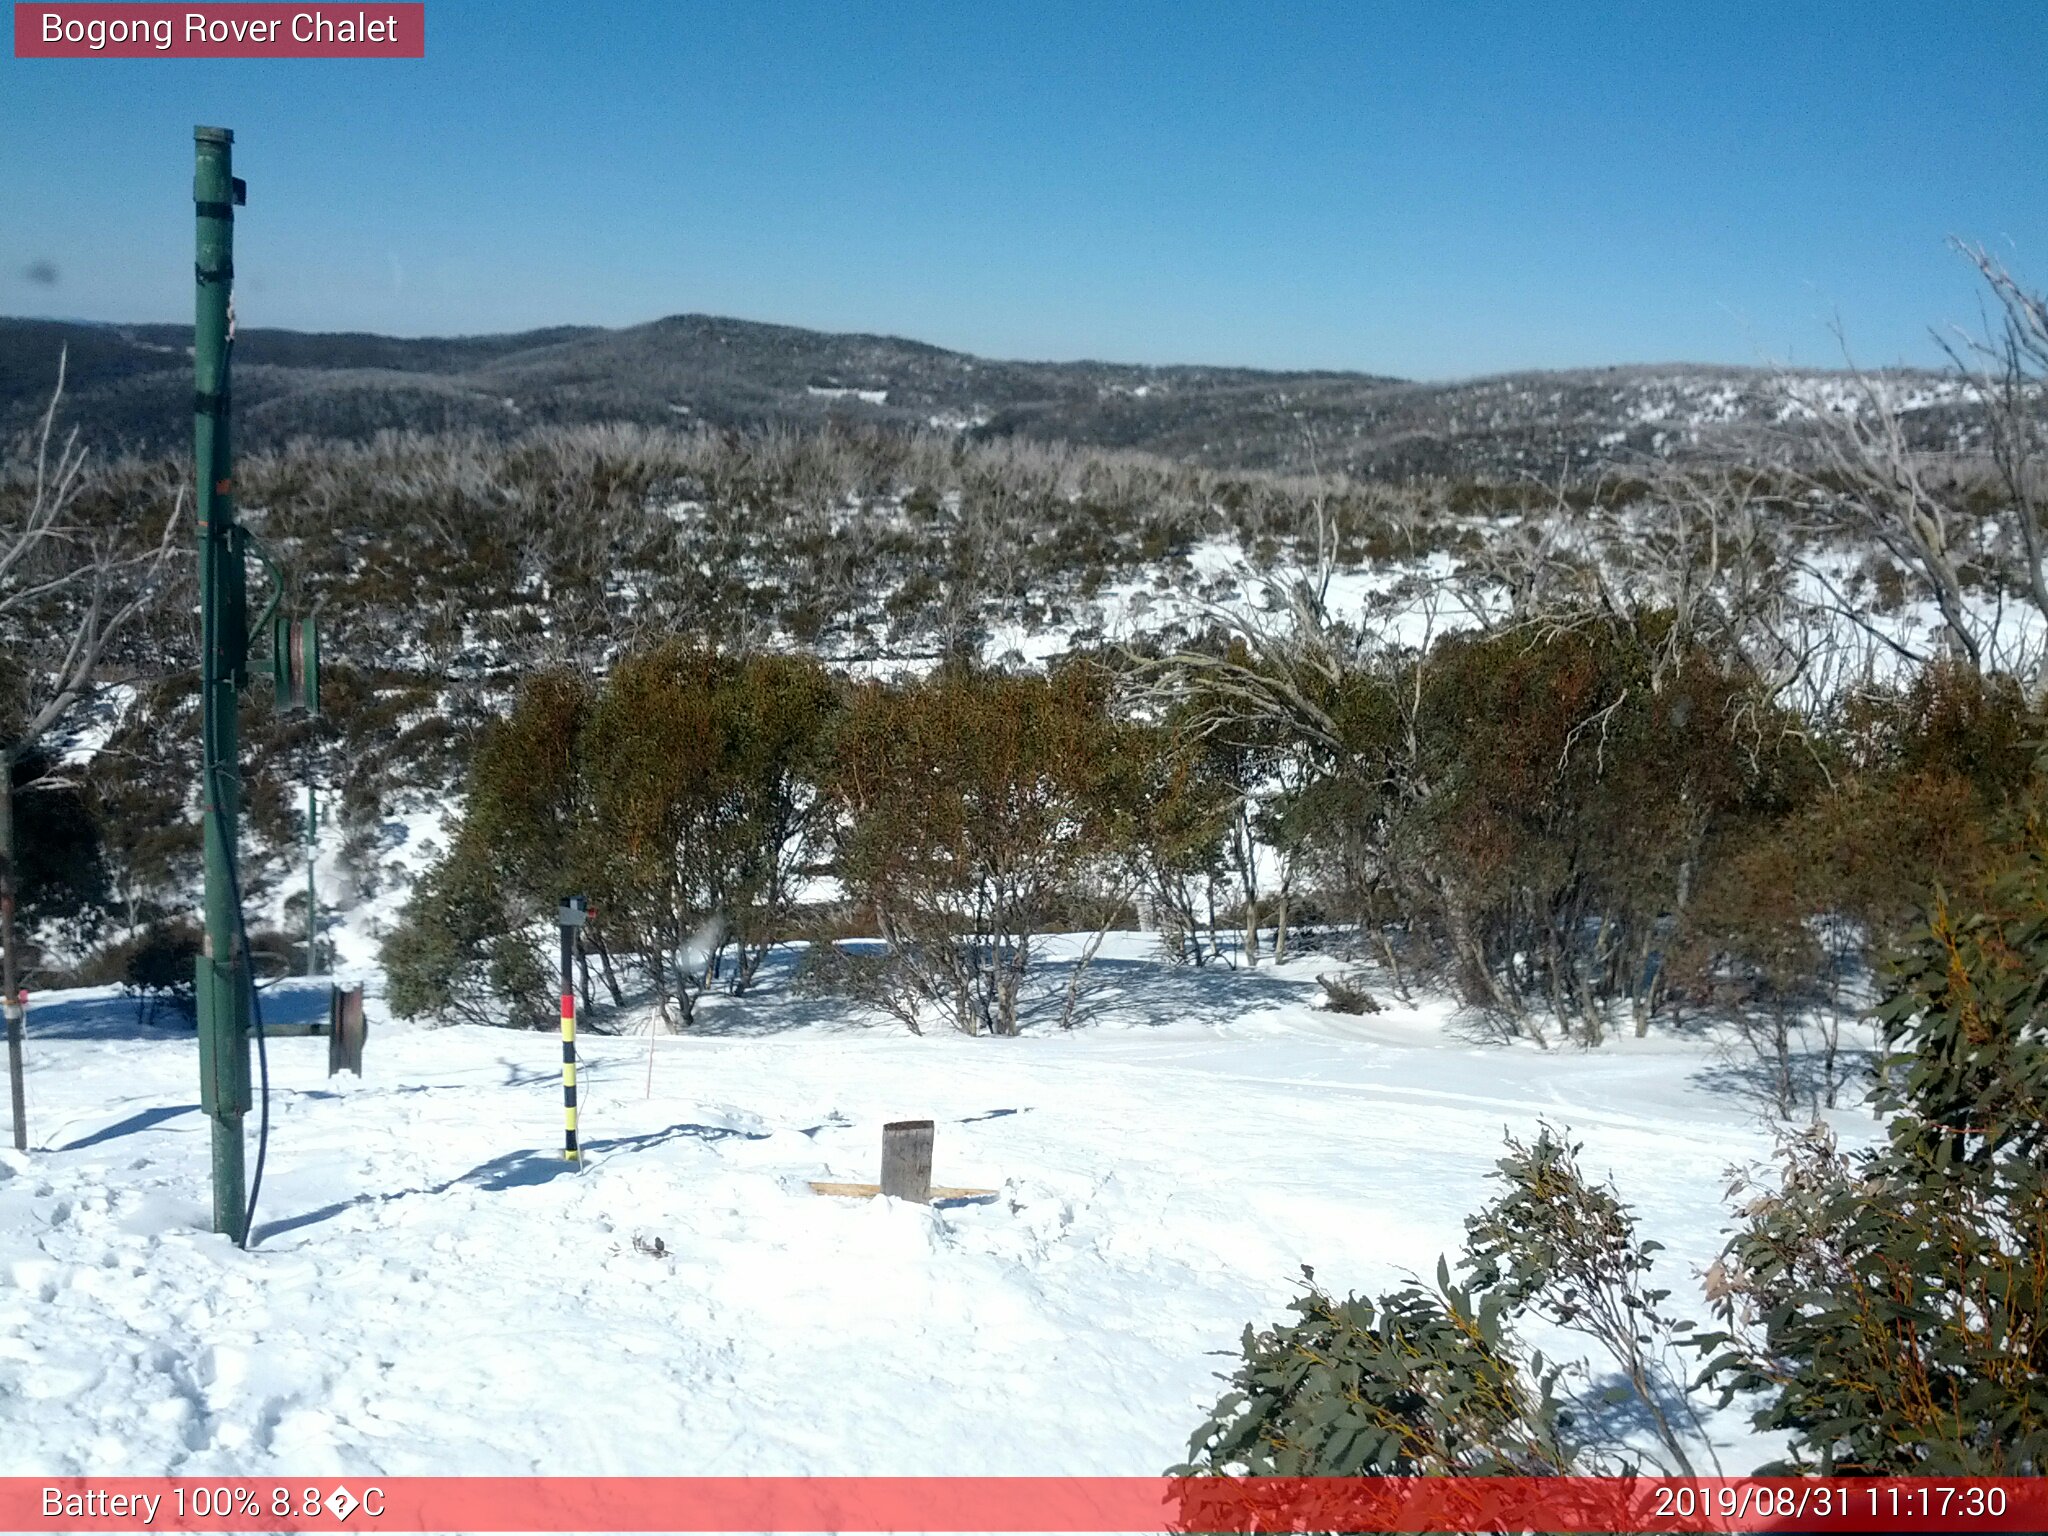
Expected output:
{"points": [[992, 1504], [252, 31]]}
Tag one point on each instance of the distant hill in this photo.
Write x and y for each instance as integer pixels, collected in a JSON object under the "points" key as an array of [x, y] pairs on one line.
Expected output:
{"points": [[130, 385]]}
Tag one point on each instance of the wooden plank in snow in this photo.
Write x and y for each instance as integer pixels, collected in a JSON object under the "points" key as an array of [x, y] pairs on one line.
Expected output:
{"points": [[869, 1191]]}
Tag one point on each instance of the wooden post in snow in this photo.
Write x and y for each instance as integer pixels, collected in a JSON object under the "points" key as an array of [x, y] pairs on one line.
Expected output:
{"points": [[907, 1160]]}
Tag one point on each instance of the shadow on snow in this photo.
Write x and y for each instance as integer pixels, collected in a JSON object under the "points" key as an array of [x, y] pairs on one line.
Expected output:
{"points": [[121, 1016], [512, 1170]]}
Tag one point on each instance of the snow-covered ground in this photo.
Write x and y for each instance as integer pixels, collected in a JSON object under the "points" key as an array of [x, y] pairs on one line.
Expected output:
{"points": [[433, 1290]]}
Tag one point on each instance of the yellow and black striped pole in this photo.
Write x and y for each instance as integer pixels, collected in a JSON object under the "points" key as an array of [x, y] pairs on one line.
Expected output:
{"points": [[570, 919]]}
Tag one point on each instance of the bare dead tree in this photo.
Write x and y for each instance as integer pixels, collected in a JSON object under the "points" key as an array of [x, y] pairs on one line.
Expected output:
{"points": [[1878, 482], [1540, 573], [67, 590], [1285, 652], [2008, 370]]}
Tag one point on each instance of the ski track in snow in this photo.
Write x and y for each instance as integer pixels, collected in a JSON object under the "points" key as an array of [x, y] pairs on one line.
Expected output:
{"points": [[434, 1290]]}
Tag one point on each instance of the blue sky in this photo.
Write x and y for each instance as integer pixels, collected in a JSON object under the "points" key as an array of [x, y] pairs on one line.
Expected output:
{"points": [[1434, 190]]}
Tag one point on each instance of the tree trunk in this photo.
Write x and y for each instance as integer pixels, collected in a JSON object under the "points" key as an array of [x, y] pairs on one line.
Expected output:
{"points": [[1678, 905], [10, 969], [1554, 981], [1088, 953], [1392, 961], [1010, 984], [1641, 983], [1244, 853], [604, 967], [1479, 978], [1190, 924]]}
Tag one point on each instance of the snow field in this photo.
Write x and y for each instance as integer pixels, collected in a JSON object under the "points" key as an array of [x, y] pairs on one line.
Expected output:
{"points": [[432, 1290]]}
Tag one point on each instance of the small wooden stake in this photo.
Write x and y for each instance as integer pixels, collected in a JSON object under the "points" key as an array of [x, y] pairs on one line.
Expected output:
{"points": [[907, 1160]]}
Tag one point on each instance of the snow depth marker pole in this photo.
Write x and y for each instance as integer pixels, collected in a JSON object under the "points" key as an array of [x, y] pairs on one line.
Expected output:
{"points": [[570, 918], [312, 868], [223, 969]]}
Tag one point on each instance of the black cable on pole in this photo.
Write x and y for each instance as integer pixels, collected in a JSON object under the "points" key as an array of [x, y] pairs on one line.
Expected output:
{"points": [[262, 1050], [263, 1073]]}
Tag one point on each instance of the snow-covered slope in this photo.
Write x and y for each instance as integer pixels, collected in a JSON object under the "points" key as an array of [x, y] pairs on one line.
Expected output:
{"points": [[433, 1291]]}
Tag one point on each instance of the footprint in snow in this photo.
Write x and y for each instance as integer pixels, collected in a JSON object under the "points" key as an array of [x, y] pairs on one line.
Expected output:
{"points": [[37, 1275]]}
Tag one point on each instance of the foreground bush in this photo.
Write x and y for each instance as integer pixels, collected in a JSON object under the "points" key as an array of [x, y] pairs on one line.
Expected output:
{"points": [[1417, 1383], [1887, 1310], [1893, 1305]]}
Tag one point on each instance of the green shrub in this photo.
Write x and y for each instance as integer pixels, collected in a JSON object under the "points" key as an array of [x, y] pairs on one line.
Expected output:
{"points": [[459, 953], [1557, 1244], [681, 797], [1894, 1304], [162, 962], [1889, 1307], [1420, 1382], [973, 802]]}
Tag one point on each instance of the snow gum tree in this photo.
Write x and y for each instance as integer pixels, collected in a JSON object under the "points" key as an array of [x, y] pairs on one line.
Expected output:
{"points": [[682, 797], [1189, 810], [972, 802], [466, 945], [704, 809]]}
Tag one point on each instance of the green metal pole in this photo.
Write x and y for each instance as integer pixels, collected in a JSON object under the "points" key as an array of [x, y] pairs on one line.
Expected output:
{"points": [[223, 990]]}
